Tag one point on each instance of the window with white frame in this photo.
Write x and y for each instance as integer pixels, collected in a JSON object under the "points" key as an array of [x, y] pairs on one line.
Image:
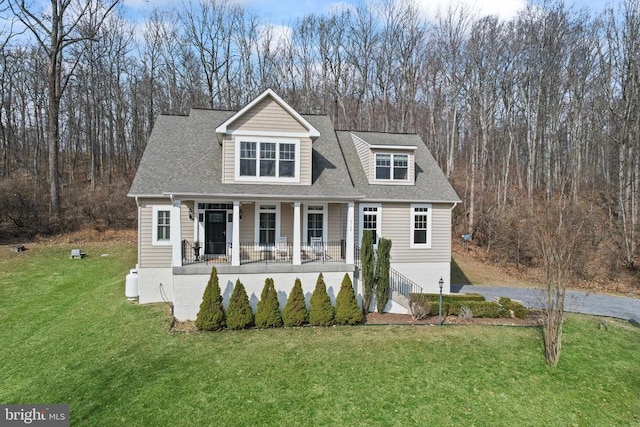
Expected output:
{"points": [[421, 226], [370, 219], [393, 167], [161, 225], [268, 158], [248, 158]]}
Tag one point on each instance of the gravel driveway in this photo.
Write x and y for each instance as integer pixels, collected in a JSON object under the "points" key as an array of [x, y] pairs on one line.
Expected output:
{"points": [[575, 301]]}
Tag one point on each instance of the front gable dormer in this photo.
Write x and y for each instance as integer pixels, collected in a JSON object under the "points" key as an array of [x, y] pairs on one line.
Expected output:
{"points": [[267, 142], [386, 162]]}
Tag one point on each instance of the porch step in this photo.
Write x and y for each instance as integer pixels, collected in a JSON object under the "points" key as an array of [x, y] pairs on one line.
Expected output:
{"points": [[400, 299]]}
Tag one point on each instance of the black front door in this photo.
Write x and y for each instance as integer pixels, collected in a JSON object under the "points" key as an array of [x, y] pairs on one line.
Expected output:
{"points": [[215, 230]]}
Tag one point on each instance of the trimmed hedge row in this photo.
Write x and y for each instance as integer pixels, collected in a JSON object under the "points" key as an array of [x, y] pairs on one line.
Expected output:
{"points": [[239, 315], [428, 304], [447, 298]]}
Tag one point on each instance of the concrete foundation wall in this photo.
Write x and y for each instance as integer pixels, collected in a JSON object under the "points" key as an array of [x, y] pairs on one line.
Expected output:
{"points": [[188, 289], [155, 285], [427, 275]]}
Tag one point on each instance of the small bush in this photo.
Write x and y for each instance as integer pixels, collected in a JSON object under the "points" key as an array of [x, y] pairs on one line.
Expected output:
{"points": [[321, 312], [211, 316], [423, 305], [466, 312], [268, 313], [420, 309], [516, 308], [239, 313], [295, 311], [347, 310]]}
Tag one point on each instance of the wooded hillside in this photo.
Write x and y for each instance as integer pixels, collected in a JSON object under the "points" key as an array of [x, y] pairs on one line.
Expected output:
{"points": [[543, 107]]}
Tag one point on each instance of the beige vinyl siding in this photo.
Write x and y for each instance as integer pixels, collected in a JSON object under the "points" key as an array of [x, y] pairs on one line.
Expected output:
{"points": [[396, 225], [286, 221], [152, 256], [247, 223], [336, 222], [228, 157], [268, 115], [186, 224], [305, 161], [364, 152]]}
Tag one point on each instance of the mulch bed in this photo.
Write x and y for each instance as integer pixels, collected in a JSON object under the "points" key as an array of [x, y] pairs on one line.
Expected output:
{"points": [[534, 319]]}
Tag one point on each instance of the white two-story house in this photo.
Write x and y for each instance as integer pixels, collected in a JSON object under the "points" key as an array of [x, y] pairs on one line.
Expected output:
{"points": [[268, 192]]}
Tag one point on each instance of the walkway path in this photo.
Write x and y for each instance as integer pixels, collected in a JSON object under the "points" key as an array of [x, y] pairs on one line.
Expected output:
{"points": [[575, 301]]}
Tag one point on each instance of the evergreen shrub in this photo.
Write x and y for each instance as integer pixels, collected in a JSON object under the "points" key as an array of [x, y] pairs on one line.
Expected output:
{"points": [[347, 310], [295, 311], [239, 313], [321, 312], [383, 266], [211, 316], [268, 313]]}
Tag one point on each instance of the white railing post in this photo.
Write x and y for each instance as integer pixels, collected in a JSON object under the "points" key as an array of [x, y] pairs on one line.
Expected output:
{"points": [[235, 238], [297, 237], [349, 253], [176, 234]]}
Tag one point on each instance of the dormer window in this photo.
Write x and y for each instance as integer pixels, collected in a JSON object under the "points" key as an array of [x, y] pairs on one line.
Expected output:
{"points": [[392, 166], [268, 159]]}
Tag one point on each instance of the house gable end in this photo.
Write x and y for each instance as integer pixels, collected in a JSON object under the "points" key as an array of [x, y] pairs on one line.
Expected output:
{"points": [[270, 115]]}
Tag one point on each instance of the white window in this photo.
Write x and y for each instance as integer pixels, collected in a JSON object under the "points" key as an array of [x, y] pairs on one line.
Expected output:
{"points": [[371, 219], [315, 223], [420, 226], [161, 225], [393, 167], [248, 158], [268, 159]]}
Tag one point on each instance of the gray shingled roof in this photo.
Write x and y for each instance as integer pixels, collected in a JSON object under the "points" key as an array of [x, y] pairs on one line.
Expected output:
{"points": [[431, 184], [183, 157]]}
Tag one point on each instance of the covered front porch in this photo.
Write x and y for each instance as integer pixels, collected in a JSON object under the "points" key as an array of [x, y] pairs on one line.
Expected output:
{"points": [[262, 232]]}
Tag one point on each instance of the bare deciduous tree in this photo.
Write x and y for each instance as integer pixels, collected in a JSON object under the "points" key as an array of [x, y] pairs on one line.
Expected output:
{"points": [[68, 22]]}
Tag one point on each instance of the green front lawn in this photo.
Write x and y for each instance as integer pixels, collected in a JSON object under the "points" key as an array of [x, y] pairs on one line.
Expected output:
{"points": [[69, 336]]}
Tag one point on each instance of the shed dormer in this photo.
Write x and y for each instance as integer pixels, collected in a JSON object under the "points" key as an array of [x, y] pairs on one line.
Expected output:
{"points": [[386, 160], [267, 142]]}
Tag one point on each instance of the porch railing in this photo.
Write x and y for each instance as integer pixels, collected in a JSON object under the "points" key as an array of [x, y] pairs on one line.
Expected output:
{"points": [[255, 252], [191, 255]]}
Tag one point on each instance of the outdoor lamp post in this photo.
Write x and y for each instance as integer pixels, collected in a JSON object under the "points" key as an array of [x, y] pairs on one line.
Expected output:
{"points": [[441, 284]]}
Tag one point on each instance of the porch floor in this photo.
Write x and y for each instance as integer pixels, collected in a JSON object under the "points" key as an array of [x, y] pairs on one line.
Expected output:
{"points": [[267, 268]]}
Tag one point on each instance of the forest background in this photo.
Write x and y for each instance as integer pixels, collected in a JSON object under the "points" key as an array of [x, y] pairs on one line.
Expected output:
{"points": [[543, 107]]}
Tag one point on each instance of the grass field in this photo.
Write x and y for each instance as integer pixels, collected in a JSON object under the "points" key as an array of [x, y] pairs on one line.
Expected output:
{"points": [[69, 336]]}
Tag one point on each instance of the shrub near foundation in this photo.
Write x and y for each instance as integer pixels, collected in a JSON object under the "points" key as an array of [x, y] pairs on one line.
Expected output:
{"points": [[321, 312], [347, 310], [239, 313], [268, 313], [295, 312], [211, 316]]}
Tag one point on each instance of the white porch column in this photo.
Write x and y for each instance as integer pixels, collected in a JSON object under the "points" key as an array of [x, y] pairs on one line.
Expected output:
{"points": [[176, 233], [297, 237], [235, 238], [350, 249]]}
